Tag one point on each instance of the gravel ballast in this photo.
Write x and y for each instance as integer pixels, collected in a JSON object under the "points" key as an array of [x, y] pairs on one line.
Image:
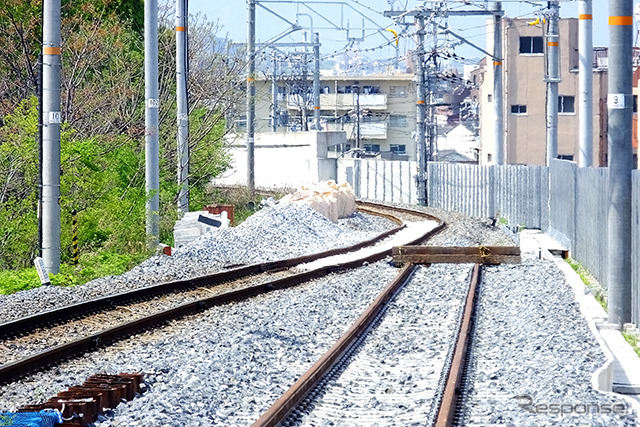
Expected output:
{"points": [[226, 366], [393, 379], [279, 232], [229, 364], [534, 354]]}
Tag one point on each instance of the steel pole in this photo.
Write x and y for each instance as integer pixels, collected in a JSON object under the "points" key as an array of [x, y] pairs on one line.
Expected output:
{"points": [[552, 80], [620, 109], [51, 120], [152, 169], [420, 112], [585, 77], [316, 80], [182, 77], [498, 90], [356, 90], [251, 92], [274, 94]]}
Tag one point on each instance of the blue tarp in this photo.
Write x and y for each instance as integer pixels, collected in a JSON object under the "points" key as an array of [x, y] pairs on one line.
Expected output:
{"points": [[45, 418]]}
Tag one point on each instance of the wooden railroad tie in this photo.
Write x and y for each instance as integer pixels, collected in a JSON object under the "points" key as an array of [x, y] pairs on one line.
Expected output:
{"points": [[456, 254]]}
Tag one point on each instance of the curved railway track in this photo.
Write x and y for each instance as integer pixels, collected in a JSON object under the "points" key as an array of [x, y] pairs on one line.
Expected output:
{"points": [[244, 277]]}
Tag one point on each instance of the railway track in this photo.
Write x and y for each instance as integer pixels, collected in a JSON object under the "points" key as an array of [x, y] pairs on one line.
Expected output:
{"points": [[351, 374], [79, 328]]}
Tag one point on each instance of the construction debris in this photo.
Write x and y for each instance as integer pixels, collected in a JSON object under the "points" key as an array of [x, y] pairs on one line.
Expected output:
{"points": [[330, 199]]}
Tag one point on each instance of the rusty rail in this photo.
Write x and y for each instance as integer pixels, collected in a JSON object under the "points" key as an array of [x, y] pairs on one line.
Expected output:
{"points": [[277, 413], [29, 323], [446, 410], [290, 400], [23, 367]]}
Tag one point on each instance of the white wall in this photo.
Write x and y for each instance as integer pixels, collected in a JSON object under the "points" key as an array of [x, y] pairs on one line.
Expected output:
{"points": [[284, 160]]}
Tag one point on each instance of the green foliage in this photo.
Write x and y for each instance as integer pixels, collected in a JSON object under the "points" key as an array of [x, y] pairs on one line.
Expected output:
{"points": [[589, 281], [102, 139], [633, 342], [91, 266]]}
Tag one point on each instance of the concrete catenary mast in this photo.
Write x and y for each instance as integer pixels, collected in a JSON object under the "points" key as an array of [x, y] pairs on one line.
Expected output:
{"points": [[274, 93], [498, 95], [152, 168], [552, 79], [420, 111], [620, 110], [251, 92], [316, 80], [182, 78], [585, 77], [51, 119]]}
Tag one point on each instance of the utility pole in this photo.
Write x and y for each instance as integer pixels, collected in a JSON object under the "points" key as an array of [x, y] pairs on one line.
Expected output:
{"points": [[552, 79], [498, 91], [152, 167], [251, 93], [51, 120], [316, 80], [620, 110], [274, 94], [420, 112], [356, 95], [585, 77], [182, 79]]}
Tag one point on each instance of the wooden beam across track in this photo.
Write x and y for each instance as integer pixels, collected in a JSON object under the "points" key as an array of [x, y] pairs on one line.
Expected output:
{"points": [[456, 254]]}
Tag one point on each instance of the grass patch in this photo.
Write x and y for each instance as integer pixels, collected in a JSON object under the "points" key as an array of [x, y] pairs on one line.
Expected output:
{"points": [[598, 293], [91, 266], [633, 342], [589, 281], [112, 263]]}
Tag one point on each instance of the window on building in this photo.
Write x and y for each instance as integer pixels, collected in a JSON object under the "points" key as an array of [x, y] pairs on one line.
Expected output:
{"points": [[345, 89], [372, 118], [397, 121], [398, 148], [370, 89], [372, 148], [531, 45], [518, 109], [566, 157], [397, 92], [566, 104], [635, 104], [489, 98]]}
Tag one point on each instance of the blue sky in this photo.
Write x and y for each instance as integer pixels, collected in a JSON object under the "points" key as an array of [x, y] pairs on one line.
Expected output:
{"points": [[232, 16]]}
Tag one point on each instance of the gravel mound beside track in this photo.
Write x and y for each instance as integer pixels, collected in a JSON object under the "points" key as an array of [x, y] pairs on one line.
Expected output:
{"points": [[283, 231]]}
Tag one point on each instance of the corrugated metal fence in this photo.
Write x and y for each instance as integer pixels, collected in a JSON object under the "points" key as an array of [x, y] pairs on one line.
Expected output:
{"points": [[515, 193], [382, 180], [569, 202]]}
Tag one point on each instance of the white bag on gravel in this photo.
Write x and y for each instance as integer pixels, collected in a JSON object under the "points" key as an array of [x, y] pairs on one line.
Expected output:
{"points": [[330, 199]]}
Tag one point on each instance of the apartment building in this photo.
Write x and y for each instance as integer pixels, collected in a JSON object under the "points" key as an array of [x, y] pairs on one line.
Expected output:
{"points": [[525, 96], [376, 111]]}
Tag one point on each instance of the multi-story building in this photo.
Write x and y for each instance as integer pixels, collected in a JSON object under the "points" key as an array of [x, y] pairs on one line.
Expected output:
{"points": [[376, 111], [525, 96]]}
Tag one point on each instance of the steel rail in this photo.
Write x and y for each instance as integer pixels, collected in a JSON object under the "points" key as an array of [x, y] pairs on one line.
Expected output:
{"points": [[278, 412], [21, 368], [451, 394], [283, 406], [74, 311]]}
